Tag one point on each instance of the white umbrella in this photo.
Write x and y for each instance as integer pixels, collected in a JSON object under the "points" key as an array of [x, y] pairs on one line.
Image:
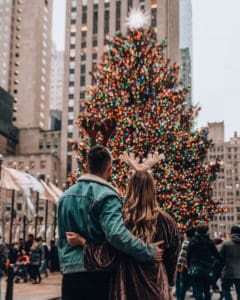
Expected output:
{"points": [[56, 190], [48, 193], [9, 181]]}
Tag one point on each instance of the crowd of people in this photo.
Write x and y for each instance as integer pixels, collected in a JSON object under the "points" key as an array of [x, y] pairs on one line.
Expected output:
{"points": [[29, 259]]}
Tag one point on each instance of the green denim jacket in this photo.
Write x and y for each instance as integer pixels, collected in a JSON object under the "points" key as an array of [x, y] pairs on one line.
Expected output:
{"points": [[92, 208]]}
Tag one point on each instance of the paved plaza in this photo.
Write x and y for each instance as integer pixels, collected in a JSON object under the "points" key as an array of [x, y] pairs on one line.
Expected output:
{"points": [[48, 289]]}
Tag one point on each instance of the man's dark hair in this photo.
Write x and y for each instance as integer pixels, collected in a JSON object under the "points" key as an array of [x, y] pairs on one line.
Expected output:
{"points": [[98, 159], [190, 232], [202, 229], [235, 229]]}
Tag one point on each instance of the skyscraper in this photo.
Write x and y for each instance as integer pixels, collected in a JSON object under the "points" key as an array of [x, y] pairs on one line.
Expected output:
{"points": [[27, 38], [57, 74], [226, 188], [186, 44], [88, 26]]}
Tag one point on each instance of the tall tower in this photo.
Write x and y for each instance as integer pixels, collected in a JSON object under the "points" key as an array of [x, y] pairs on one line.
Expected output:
{"points": [[89, 23], [5, 41], [186, 44], [29, 61]]}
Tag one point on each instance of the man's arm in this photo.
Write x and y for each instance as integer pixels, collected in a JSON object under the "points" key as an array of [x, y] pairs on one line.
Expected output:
{"points": [[119, 236]]}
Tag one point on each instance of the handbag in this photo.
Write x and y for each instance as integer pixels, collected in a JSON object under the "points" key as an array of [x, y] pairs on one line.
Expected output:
{"points": [[99, 257]]}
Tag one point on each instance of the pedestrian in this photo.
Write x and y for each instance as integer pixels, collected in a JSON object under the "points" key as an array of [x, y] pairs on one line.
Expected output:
{"points": [[144, 218], [201, 257], [93, 208], [36, 258], [29, 243], [53, 257], [3, 262], [45, 256], [230, 250], [183, 278]]}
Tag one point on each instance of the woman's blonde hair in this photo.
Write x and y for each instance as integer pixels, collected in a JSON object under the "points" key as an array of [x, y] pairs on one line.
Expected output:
{"points": [[141, 209]]}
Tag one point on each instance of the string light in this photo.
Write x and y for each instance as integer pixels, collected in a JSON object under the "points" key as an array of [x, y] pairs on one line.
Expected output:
{"points": [[137, 85]]}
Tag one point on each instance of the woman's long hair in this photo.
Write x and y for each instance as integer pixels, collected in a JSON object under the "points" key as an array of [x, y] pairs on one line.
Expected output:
{"points": [[141, 209]]}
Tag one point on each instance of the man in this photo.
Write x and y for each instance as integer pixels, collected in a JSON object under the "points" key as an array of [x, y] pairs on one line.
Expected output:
{"points": [[92, 208], [28, 244], [230, 250], [201, 256]]}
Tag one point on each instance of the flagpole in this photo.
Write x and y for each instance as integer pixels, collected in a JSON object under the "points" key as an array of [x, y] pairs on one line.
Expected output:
{"points": [[12, 209], [12, 215], [46, 213], [36, 218]]}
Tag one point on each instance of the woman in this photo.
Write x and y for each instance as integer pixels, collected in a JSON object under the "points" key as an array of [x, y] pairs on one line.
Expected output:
{"points": [[142, 215]]}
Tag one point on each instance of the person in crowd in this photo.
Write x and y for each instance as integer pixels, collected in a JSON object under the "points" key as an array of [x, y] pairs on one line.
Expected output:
{"points": [[3, 261], [45, 251], [145, 220], [53, 257], [13, 253], [93, 208], [183, 278], [217, 269], [201, 257], [230, 251], [28, 244], [36, 258]]}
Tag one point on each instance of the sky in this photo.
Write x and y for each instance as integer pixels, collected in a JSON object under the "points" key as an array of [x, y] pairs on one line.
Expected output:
{"points": [[216, 59]]}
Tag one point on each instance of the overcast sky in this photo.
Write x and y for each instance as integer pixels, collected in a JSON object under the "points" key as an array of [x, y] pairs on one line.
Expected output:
{"points": [[216, 59]]}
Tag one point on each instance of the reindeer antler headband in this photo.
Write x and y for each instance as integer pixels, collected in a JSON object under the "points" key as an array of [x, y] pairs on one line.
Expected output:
{"points": [[146, 165]]}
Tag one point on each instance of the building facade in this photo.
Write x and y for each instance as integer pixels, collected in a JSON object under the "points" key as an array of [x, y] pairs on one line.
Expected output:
{"points": [[88, 26], [25, 56], [57, 74], [226, 188], [5, 41]]}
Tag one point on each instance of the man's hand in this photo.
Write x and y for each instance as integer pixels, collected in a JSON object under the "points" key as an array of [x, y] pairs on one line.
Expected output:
{"points": [[159, 251], [74, 239]]}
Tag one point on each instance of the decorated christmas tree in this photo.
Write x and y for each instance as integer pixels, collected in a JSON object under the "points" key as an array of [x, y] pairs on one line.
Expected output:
{"points": [[137, 99]]}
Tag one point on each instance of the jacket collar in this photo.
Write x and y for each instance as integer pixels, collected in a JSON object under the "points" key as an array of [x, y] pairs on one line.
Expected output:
{"points": [[97, 179]]}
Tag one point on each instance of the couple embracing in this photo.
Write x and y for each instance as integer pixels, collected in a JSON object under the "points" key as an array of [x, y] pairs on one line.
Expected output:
{"points": [[114, 250]]}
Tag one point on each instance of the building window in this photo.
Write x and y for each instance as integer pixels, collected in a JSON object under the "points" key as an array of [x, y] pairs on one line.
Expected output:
{"points": [[21, 165], [106, 21], [31, 165], [118, 15], [154, 17], [70, 135], [130, 4], [43, 164], [95, 18], [84, 14]]}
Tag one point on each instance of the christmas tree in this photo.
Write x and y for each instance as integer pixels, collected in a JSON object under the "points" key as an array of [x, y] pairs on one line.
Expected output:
{"points": [[137, 86]]}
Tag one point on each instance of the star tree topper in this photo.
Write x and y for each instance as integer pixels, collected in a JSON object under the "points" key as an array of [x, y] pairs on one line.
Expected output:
{"points": [[138, 19]]}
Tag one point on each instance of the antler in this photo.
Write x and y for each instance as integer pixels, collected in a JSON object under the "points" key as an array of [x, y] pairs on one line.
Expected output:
{"points": [[107, 129], [92, 128], [147, 164]]}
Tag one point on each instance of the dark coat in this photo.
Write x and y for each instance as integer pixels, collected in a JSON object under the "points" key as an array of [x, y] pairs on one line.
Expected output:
{"points": [[3, 259], [202, 251], [230, 250]]}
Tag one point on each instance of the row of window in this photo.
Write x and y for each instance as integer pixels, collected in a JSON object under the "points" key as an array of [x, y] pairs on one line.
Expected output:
{"points": [[21, 165]]}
